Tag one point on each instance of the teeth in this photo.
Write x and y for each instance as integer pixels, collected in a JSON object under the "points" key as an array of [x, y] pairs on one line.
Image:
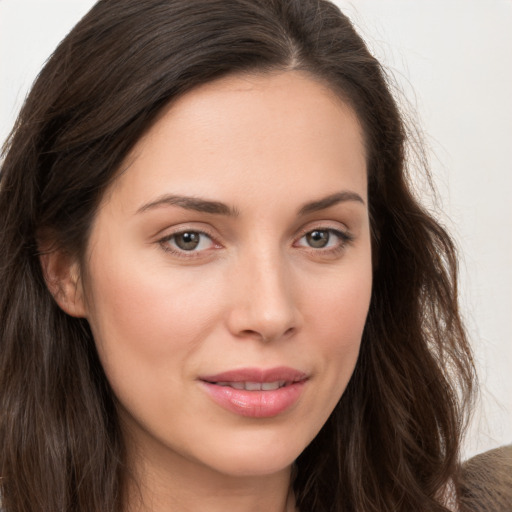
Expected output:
{"points": [[268, 386], [254, 386]]}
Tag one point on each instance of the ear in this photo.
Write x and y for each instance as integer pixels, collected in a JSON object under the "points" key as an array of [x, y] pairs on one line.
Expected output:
{"points": [[61, 273]]}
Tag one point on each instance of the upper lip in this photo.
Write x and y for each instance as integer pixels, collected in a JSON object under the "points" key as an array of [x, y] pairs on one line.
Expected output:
{"points": [[281, 373]]}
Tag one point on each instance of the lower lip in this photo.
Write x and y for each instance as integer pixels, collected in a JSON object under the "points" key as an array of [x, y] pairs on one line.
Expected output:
{"points": [[255, 404]]}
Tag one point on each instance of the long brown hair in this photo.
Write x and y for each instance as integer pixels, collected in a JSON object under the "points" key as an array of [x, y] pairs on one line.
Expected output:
{"points": [[392, 442]]}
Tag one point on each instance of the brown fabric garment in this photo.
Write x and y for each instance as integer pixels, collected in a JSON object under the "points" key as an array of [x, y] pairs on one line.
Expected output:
{"points": [[487, 482]]}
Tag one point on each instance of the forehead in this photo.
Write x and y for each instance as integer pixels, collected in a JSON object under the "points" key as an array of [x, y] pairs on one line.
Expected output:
{"points": [[250, 132]]}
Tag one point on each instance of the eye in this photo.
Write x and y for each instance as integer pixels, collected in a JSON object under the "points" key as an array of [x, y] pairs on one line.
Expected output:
{"points": [[318, 238], [324, 239], [187, 241]]}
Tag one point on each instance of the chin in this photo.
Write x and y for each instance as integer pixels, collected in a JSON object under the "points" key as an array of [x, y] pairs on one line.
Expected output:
{"points": [[258, 457], [240, 466]]}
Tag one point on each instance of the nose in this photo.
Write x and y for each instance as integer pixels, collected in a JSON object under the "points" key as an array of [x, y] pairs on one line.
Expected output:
{"points": [[264, 303]]}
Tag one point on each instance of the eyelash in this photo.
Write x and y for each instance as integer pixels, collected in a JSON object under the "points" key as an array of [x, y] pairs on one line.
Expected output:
{"points": [[164, 243], [345, 239]]}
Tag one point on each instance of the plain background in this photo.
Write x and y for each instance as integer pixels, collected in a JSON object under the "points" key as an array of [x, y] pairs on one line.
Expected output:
{"points": [[452, 62]]}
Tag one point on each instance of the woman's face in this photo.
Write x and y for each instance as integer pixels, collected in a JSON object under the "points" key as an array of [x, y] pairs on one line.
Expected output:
{"points": [[229, 274]]}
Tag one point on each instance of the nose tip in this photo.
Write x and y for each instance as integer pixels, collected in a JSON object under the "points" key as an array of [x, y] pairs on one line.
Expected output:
{"points": [[264, 305]]}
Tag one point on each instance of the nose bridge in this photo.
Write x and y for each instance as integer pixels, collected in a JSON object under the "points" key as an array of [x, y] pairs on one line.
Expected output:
{"points": [[264, 303]]}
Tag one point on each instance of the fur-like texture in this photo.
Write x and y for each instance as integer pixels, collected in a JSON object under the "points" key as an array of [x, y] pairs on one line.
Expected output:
{"points": [[487, 482]]}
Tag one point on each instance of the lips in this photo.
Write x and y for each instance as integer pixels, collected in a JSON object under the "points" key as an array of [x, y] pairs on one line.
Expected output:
{"points": [[256, 393], [254, 386]]}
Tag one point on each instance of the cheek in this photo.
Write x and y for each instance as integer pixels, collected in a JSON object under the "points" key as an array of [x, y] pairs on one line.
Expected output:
{"points": [[145, 319], [337, 316], [340, 301]]}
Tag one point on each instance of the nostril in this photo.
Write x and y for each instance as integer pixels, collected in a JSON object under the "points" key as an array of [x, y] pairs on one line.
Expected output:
{"points": [[250, 334], [266, 335]]}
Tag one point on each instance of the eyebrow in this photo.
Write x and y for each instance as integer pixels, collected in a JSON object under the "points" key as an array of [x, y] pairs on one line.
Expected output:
{"points": [[191, 203], [218, 208], [327, 202]]}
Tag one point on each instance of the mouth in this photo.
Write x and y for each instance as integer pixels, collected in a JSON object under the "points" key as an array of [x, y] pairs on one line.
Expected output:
{"points": [[254, 386], [276, 377], [256, 393]]}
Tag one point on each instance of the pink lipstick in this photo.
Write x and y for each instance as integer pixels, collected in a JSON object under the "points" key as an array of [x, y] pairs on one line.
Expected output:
{"points": [[254, 392]]}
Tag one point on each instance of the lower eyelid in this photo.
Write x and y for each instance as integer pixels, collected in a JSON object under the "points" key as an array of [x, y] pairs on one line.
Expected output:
{"points": [[344, 236], [164, 242]]}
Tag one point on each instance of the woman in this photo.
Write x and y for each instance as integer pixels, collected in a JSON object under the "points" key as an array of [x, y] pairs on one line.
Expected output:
{"points": [[219, 292]]}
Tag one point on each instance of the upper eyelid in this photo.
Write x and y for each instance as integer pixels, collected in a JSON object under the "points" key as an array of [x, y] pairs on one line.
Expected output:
{"points": [[170, 236], [324, 225], [325, 228], [168, 233], [346, 236], [163, 242], [343, 233]]}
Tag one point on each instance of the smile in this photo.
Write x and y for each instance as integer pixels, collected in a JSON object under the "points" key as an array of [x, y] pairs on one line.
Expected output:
{"points": [[254, 386], [256, 393]]}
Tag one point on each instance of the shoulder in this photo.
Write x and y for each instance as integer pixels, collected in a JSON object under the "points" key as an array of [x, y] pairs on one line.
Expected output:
{"points": [[486, 482]]}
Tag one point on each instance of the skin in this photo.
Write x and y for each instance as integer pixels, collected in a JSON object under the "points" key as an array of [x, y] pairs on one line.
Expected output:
{"points": [[254, 293]]}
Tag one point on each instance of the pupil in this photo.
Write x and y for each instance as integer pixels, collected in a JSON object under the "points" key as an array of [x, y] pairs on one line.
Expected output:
{"points": [[187, 241], [318, 239]]}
